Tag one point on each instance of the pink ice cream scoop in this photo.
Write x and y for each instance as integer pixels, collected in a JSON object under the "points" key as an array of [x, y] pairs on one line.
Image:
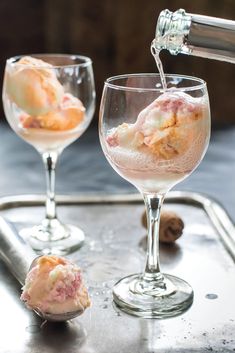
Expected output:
{"points": [[166, 128], [55, 286], [68, 115], [33, 86]]}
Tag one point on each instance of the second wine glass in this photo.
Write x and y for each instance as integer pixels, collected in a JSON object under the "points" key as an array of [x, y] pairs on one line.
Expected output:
{"points": [[154, 138], [49, 101]]}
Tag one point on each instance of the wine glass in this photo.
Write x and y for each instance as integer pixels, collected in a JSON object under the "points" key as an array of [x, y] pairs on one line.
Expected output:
{"points": [[154, 138], [49, 101]]}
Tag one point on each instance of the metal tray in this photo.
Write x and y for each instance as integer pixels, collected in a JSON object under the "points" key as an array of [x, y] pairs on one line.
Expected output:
{"points": [[204, 256]]}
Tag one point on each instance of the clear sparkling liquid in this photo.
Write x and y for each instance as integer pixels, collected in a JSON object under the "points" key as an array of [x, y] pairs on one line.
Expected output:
{"points": [[155, 52]]}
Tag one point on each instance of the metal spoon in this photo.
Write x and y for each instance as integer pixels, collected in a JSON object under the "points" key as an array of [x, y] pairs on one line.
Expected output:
{"points": [[20, 258]]}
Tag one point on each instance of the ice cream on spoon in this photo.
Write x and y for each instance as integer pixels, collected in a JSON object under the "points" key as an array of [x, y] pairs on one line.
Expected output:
{"points": [[55, 286], [52, 286]]}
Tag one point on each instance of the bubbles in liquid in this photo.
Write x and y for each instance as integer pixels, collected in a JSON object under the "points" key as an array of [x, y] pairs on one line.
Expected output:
{"points": [[133, 162]]}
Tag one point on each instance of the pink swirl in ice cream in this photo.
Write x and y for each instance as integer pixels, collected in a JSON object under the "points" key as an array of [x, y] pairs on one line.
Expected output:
{"points": [[165, 128], [55, 285], [165, 144], [33, 86]]}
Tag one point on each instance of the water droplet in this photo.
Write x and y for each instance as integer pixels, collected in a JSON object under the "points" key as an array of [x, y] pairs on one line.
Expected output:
{"points": [[211, 296], [104, 285], [105, 306]]}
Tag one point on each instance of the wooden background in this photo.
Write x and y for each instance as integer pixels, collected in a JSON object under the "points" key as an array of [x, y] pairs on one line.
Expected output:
{"points": [[116, 34]]}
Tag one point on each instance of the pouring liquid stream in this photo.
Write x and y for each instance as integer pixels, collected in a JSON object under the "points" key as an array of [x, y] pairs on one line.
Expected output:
{"points": [[155, 52]]}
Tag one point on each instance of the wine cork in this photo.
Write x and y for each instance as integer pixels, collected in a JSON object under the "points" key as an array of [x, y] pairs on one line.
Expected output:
{"points": [[171, 226]]}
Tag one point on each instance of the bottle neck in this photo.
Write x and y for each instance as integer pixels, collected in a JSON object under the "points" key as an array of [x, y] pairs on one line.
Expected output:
{"points": [[212, 37], [197, 35]]}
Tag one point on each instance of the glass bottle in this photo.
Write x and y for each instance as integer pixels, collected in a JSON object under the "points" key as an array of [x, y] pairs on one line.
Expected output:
{"points": [[204, 36]]}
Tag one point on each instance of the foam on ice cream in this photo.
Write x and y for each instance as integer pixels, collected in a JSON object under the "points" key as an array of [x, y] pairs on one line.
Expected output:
{"points": [[167, 128], [55, 285], [33, 86]]}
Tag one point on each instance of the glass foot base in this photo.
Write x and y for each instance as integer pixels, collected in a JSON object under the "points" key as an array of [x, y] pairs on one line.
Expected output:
{"points": [[54, 238], [173, 297]]}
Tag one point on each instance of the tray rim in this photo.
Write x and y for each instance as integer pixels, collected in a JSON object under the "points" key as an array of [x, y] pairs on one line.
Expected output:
{"points": [[217, 214]]}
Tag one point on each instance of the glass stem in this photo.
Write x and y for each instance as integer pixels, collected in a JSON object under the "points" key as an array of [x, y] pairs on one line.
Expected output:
{"points": [[50, 159], [153, 204]]}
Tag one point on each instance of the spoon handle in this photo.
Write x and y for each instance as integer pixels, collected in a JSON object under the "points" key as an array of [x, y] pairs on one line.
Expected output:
{"points": [[14, 251]]}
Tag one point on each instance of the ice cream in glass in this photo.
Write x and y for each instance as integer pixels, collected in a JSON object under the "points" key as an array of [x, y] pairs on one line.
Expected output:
{"points": [[49, 101], [154, 138]]}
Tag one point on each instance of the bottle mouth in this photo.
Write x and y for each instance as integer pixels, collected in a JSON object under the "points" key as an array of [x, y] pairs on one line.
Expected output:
{"points": [[171, 30], [169, 21], [163, 23]]}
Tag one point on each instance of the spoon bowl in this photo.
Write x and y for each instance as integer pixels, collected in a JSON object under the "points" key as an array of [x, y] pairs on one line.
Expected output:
{"points": [[58, 317]]}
